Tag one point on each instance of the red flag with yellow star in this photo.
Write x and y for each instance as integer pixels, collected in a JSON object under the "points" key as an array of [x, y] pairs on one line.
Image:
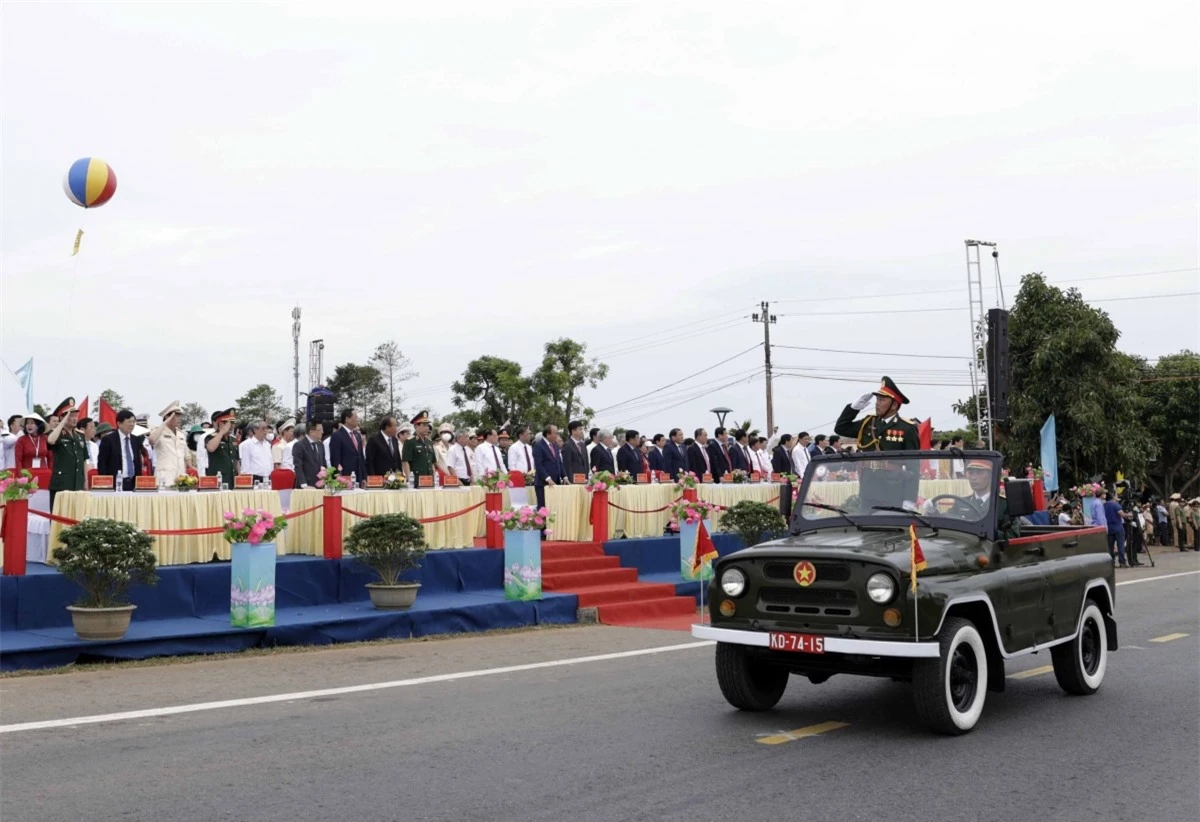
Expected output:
{"points": [[917, 556], [705, 550]]}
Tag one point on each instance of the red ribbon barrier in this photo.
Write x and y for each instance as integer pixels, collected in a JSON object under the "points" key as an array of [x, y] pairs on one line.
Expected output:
{"points": [[651, 511], [332, 511], [599, 516], [494, 535], [15, 530]]}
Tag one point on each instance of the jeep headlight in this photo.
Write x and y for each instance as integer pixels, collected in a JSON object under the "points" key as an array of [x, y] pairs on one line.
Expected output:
{"points": [[881, 588], [733, 582]]}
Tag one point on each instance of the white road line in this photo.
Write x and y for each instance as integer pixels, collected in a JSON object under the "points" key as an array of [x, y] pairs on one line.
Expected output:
{"points": [[349, 689], [1162, 576], [382, 686]]}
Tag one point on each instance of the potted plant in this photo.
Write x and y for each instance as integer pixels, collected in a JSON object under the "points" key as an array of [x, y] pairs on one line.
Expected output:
{"points": [[389, 544], [105, 558], [395, 481], [751, 520], [623, 478], [601, 481], [330, 480], [739, 476], [493, 482], [185, 482], [252, 566], [687, 481], [15, 485], [523, 549]]}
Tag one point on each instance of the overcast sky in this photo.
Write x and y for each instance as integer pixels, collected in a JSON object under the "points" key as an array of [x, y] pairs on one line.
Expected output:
{"points": [[479, 178]]}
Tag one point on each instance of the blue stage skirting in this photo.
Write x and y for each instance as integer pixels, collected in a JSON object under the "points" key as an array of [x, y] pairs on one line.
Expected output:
{"points": [[657, 559], [317, 602]]}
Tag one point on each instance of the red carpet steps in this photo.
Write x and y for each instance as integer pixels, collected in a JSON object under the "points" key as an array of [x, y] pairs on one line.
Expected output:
{"points": [[583, 569]]}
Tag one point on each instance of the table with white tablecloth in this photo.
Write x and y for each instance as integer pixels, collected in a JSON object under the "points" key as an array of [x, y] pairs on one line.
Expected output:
{"points": [[427, 503]]}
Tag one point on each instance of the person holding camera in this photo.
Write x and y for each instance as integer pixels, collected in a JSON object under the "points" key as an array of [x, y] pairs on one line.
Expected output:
{"points": [[1114, 518]]}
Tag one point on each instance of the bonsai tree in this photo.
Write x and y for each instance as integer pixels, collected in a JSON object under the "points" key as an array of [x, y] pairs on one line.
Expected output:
{"points": [[388, 544], [751, 520], [105, 558]]}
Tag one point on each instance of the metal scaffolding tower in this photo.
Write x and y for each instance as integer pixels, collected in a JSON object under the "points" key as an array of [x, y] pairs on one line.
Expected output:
{"points": [[316, 363], [296, 357], [979, 334]]}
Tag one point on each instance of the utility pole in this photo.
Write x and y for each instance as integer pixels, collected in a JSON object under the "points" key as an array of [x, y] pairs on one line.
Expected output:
{"points": [[767, 319], [296, 357]]}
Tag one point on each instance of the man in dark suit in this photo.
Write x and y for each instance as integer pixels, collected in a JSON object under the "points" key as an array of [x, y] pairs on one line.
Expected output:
{"points": [[718, 454], [655, 454], [781, 457], [739, 451], [699, 458], [574, 452], [121, 451], [675, 460], [629, 456], [547, 463], [308, 456], [346, 447], [383, 452], [601, 457]]}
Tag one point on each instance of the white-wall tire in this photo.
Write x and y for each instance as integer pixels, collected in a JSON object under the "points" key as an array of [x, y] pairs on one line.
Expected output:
{"points": [[950, 691], [1080, 665]]}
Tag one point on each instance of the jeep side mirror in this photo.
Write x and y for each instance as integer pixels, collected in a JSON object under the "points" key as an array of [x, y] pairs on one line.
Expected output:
{"points": [[1019, 494]]}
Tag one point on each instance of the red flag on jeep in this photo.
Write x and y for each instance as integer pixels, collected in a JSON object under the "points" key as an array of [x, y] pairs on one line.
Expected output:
{"points": [[918, 556]]}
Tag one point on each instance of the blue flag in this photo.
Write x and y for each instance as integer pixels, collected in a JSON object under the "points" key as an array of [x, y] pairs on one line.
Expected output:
{"points": [[24, 376], [1050, 453]]}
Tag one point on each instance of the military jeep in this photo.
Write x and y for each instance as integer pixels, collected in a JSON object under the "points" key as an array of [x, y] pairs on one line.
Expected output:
{"points": [[836, 597]]}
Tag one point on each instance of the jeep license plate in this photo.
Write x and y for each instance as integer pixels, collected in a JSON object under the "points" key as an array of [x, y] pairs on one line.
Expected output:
{"points": [[798, 643]]}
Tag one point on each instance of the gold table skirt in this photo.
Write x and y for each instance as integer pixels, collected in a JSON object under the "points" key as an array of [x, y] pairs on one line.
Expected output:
{"points": [[307, 533], [174, 511]]}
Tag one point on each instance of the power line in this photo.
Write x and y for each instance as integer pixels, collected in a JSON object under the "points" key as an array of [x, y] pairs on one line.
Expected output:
{"points": [[1145, 297], [694, 397], [859, 380], [684, 379], [623, 343], [649, 404], [872, 353], [728, 324]]}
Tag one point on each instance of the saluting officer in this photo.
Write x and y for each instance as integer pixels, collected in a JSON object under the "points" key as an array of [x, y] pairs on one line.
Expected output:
{"points": [[222, 450], [885, 430], [419, 456], [70, 452]]}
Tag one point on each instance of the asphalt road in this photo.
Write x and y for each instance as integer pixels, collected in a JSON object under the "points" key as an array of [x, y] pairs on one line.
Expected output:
{"points": [[643, 737]]}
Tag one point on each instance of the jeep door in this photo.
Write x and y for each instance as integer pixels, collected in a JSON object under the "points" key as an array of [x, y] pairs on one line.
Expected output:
{"points": [[1027, 617]]}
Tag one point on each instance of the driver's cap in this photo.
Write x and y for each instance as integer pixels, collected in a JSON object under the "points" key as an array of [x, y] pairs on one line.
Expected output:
{"points": [[979, 465]]}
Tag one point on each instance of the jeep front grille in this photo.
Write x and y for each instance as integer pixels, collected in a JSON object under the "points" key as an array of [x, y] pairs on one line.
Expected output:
{"points": [[826, 571], [812, 601]]}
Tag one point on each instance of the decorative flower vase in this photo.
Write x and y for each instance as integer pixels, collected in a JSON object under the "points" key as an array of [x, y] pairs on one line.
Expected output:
{"points": [[252, 585], [688, 536], [522, 565]]}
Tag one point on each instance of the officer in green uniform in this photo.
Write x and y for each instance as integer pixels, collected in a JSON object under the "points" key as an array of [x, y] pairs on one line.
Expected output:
{"points": [[419, 457], [979, 475], [884, 430], [222, 450], [70, 452]]}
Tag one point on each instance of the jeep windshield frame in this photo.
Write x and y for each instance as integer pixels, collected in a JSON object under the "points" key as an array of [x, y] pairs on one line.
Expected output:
{"points": [[894, 478]]}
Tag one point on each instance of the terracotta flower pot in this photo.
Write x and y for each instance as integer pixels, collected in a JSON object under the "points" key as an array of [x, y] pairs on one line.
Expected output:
{"points": [[393, 597], [101, 624]]}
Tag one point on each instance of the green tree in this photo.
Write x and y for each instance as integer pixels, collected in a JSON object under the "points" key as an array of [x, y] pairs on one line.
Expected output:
{"points": [[496, 391], [565, 369], [262, 402], [114, 400], [360, 387], [394, 369], [1171, 391], [1065, 362], [193, 414]]}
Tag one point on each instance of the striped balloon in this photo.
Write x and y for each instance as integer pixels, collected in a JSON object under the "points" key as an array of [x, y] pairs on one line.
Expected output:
{"points": [[90, 182]]}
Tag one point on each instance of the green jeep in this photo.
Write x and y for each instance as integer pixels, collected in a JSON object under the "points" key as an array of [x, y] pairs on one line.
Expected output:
{"points": [[835, 597]]}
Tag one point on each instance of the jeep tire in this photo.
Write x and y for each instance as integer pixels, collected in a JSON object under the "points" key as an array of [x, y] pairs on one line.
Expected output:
{"points": [[746, 683], [1079, 665], [949, 691]]}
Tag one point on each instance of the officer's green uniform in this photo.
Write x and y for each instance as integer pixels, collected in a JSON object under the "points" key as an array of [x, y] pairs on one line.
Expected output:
{"points": [[872, 433], [70, 462], [223, 461], [419, 455]]}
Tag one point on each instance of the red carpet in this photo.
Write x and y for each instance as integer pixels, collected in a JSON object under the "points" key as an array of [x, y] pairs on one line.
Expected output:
{"points": [[583, 569]]}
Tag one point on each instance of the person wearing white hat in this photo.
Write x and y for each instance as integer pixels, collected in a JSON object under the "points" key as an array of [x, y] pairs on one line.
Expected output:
{"points": [[170, 446], [281, 451]]}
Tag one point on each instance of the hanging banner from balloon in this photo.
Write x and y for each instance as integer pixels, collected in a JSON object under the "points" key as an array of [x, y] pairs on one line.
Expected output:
{"points": [[89, 183]]}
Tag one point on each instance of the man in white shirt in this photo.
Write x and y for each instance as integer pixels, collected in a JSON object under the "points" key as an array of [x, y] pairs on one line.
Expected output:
{"points": [[760, 459], [281, 452], [800, 455], [520, 453], [488, 459], [8, 441], [255, 453], [170, 446], [458, 458]]}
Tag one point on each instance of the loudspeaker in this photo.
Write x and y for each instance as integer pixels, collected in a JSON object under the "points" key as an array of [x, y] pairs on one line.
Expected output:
{"points": [[321, 402], [999, 374]]}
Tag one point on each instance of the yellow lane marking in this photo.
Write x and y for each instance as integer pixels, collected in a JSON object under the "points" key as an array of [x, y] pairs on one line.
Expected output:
{"points": [[1168, 637], [800, 733], [1032, 672]]}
